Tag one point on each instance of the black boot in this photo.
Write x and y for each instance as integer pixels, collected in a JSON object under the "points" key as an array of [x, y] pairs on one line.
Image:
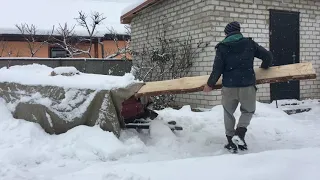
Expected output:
{"points": [[231, 146], [239, 138]]}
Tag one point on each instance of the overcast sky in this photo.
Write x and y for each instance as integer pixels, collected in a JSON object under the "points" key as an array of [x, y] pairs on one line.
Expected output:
{"points": [[46, 13], [126, 1]]}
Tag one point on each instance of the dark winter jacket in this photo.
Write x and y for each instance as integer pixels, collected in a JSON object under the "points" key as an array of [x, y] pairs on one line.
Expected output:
{"points": [[234, 61]]}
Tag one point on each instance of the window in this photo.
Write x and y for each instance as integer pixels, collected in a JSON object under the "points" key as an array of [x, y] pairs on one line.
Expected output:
{"points": [[57, 52]]}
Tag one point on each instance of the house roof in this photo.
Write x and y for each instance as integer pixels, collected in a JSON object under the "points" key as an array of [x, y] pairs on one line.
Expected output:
{"points": [[45, 14], [40, 38], [132, 10]]}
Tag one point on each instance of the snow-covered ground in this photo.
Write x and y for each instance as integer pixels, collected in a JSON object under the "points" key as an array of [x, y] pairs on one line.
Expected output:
{"points": [[37, 74], [280, 147]]}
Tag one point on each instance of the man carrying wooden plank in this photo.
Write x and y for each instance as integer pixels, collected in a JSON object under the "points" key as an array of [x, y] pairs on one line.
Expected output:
{"points": [[234, 60]]}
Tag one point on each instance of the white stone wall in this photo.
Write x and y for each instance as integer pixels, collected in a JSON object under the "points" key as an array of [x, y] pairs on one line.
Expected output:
{"points": [[254, 18], [206, 19], [186, 16]]}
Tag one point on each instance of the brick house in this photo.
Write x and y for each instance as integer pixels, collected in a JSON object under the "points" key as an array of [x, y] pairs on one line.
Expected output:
{"points": [[13, 44], [54, 13], [289, 28]]}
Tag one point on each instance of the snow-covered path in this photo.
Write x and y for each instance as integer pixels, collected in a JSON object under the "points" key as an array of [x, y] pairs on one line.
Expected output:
{"points": [[283, 164], [281, 147], [203, 133]]}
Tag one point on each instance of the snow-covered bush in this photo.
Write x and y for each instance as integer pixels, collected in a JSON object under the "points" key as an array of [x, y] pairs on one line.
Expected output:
{"points": [[166, 58]]}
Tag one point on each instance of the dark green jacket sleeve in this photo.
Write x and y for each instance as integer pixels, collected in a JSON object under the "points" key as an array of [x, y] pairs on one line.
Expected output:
{"points": [[263, 54], [217, 69]]}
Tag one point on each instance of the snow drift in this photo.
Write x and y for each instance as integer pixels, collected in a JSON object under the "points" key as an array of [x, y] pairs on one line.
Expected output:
{"points": [[281, 147], [60, 99]]}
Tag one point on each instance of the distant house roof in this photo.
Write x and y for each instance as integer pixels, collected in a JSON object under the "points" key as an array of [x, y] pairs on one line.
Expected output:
{"points": [[40, 38], [47, 13], [131, 11]]}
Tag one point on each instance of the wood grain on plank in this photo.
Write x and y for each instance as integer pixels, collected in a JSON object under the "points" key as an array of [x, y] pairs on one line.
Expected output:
{"points": [[284, 73]]}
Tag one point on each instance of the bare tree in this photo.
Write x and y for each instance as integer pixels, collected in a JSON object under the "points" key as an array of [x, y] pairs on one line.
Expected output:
{"points": [[6, 50], [30, 34], [165, 58], [123, 50], [66, 39], [3, 47], [73, 43], [96, 20]]}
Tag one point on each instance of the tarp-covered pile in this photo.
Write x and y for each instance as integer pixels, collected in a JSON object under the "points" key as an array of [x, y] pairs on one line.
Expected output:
{"points": [[65, 99]]}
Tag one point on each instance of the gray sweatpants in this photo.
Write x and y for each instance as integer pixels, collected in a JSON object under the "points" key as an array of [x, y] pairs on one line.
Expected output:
{"points": [[231, 97]]}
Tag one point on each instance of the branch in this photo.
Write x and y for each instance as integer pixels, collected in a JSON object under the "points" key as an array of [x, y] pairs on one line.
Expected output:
{"points": [[36, 49], [150, 70], [29, 33], [66, 34], [169, 58], [96, 19], [3, 46], [119, 50]]}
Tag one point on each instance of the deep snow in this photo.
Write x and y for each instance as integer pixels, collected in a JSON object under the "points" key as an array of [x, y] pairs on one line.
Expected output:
{"points": [[37, 74], [280, 146]]}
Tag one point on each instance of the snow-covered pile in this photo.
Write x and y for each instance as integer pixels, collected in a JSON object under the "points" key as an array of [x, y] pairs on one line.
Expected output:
{"points": [[62, 98], [25, 144], [36, 74], [65, 71], [281, 147]]}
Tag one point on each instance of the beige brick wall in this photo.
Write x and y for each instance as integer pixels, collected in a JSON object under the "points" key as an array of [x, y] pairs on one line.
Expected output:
{"points": [[206, 19]]}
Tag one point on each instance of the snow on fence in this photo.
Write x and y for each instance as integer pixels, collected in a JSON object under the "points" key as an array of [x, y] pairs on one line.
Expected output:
{"points": [[92, 65]]}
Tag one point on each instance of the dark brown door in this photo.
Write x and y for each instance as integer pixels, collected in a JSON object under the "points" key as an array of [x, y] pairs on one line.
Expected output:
{"points": [[285, 46]]}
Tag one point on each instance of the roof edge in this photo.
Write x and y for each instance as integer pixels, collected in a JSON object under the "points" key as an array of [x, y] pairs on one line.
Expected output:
{"points": [[127, 17], [43, 37]]}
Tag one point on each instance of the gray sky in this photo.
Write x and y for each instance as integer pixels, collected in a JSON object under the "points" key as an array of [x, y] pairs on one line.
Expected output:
{"points": [[126, 1], [67, 10]]}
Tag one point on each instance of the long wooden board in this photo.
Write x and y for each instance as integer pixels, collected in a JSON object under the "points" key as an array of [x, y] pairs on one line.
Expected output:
{"points": [[299, 71]]}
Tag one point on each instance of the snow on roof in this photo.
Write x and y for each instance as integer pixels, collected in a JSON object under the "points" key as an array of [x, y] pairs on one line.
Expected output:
{"points": [[129, 12], [131, 7], [46, 13]]}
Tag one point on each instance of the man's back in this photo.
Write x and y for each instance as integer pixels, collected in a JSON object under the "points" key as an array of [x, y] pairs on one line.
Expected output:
{"points": [[234, 60]]}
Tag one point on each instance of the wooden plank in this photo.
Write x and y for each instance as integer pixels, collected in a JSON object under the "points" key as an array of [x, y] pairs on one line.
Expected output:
{"points": [[299, 71]]}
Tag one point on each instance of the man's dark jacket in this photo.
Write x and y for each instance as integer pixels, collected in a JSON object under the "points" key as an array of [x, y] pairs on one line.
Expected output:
{"points": [[234, 61]]}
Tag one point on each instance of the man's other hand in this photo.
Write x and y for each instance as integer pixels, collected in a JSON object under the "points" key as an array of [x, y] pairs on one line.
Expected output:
{"points": [[207, 88]]}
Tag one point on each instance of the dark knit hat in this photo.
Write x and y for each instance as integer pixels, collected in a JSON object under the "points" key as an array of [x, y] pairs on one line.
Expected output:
{"points": [[232, 27]]}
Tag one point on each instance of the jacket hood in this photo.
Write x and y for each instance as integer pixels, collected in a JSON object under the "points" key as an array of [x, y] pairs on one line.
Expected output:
{"points": [[235, 42], [232, 38]]}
